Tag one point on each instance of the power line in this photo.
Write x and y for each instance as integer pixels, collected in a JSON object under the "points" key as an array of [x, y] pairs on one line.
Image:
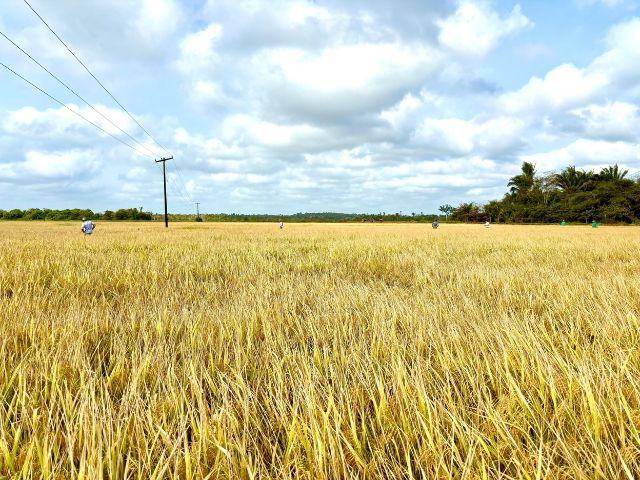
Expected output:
{"points": [[94, 77], [73, 111], [184, 185], [75, 93], [178, 193], [180, 188], [181, 194], [109, 93]]}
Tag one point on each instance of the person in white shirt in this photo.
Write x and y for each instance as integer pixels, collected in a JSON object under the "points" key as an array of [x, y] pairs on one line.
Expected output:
{"points": [[486, 224], [281, 225], [87, 226]]}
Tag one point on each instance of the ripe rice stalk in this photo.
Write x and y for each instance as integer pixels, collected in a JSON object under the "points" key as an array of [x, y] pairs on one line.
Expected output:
{"points": [[319, 351]]}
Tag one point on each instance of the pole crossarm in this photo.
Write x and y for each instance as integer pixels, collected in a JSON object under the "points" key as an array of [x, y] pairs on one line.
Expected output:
{"points": [[164, 159]]}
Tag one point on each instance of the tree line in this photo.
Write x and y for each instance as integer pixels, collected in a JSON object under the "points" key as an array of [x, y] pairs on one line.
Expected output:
{"points": [[317, 217], [75, 214], [572, 195], [137, 214]]}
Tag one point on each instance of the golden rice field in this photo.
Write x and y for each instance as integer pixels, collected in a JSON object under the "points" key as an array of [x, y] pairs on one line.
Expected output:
{"points": [[321, 352]]}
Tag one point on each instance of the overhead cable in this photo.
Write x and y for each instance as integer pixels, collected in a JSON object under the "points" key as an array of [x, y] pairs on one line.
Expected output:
{"points": [[94, 77], [75, 93], [107, 91], [74, 112]]}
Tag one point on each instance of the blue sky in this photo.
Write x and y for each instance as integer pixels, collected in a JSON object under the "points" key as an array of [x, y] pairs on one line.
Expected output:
{"points": [[286, 106]]}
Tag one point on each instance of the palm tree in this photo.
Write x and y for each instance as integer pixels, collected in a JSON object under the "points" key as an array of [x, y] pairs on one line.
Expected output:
{"points": [[447, 210], [523, 182], [571, 180], [612, 174]]}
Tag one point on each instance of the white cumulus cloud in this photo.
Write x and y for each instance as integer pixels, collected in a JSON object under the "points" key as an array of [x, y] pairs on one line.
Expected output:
{"points": [[475, 28]]}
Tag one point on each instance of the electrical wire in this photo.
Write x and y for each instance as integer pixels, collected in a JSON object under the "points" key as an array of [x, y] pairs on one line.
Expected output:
{"points": [[186, 200], [74, 112], [107, 91], [94, 77], [75, 93], [177, 193], [184, 185]]}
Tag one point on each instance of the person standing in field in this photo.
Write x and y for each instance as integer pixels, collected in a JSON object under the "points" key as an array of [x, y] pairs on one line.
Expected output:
{"points": [[435, 225], [87, 226], [281, 225], [486, 224]]}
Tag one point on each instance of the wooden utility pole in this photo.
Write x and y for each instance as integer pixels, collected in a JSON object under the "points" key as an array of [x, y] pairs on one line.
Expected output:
{"points": [[197, 209], [164, 177]]}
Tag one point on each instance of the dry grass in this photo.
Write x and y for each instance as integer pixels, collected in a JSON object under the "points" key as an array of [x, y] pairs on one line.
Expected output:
{"points": [[320, 351]]}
